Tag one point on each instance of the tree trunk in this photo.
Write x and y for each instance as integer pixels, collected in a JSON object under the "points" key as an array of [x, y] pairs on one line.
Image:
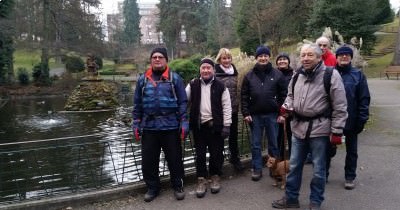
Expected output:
{"points": [[45, 46], [396, 56]]}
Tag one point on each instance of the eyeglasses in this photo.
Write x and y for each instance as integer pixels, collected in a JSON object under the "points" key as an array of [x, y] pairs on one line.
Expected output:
{"points": [[157, 57], [322, 45]]}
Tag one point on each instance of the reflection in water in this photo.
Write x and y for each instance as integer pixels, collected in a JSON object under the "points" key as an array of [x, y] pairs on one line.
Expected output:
{"points": [[44, 152], [72, 151]]}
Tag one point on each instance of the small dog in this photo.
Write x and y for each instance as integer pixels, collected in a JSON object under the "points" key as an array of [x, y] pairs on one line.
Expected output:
{"points": [[279, 170]]}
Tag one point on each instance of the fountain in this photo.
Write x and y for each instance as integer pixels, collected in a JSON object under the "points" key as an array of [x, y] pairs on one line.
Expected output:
{"points": [[92, 94]]}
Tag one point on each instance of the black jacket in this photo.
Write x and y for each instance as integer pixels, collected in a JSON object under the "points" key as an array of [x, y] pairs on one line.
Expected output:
{"points": [[262, 91]]}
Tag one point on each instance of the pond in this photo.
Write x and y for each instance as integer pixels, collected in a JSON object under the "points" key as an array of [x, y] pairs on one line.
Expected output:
{"points": [[45, 151]]}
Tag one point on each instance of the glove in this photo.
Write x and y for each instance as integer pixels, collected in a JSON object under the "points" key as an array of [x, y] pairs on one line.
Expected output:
{"points": [[184, 129], [359, 127], [225, 132], [284, 112], [336, 139], [136, 130]]}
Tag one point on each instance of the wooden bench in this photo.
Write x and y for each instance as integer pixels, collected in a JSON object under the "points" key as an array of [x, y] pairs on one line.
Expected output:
{"points": [[391, 71]]}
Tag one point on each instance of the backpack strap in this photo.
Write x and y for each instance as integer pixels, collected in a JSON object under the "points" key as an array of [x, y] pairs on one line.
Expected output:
{"points": [[327, 80], [294, 80], [171, 81]]}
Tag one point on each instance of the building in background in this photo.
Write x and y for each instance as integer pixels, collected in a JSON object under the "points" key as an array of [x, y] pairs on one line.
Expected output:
{"points": [[148, 23]]}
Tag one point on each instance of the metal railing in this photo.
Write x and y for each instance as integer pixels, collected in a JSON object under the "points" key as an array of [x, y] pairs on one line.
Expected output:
{"points": [[52, 167]]}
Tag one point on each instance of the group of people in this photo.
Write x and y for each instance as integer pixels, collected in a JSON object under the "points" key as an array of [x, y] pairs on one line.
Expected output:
{"points": [[312, 108], [160, 121]]}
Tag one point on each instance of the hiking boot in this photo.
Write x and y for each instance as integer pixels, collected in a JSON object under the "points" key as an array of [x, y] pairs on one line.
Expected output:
{"points": [[150, 195], [201, 187], [313, 206], [215, 185], [179, 193], [349, 184], [256, 175], [284, 203]]}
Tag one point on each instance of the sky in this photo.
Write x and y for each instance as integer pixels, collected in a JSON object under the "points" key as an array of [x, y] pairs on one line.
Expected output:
{"points": [[110, 6], [395, 4]]}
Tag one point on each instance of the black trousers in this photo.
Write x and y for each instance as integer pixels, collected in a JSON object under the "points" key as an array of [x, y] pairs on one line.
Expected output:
{"points": [[204, 138], [152, 143], [233, 139]]}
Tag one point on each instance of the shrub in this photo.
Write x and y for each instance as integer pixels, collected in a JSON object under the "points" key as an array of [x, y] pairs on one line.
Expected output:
{"points": [[74, 64], [99, 61], [23, 76], [186, 68], [40, 74]]}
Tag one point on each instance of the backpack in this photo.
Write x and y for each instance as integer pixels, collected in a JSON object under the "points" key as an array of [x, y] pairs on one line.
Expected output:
{"points": [[327, 80]]}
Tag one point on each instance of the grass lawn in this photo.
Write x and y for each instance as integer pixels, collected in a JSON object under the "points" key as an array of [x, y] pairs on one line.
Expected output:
{"points": [[377, 65], [27, 59]]}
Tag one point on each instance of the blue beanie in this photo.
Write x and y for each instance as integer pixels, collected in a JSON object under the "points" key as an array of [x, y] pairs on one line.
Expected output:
{"points": [[262, 50], [344, 50]]}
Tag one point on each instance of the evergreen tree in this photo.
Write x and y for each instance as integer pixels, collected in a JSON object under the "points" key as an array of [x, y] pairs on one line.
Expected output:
{"points": [[191, 17], [6, 42], [131, 32], [249, 25], [214, 27], [220, 30], [170, 23], [350, 17]]}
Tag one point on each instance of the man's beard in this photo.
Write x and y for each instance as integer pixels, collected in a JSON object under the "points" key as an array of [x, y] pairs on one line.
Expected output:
{"points": [[159, 69]]}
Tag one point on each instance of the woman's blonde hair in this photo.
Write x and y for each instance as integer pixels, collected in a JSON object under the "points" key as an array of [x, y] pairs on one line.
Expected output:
{"points": [[223, 52]]}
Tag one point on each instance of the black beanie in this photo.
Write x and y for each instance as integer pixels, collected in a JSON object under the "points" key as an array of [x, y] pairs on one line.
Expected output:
{"points": [[344, 50], [262, 50], [161, 50], [285, 55], [207, 60]]}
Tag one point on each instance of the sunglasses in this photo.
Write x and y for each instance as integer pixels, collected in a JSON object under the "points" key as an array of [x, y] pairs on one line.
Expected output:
{"points": [[157, 57], [322, 45]]}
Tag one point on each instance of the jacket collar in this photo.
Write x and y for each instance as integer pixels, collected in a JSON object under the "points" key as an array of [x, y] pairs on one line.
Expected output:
{"points": [[164, 75]]}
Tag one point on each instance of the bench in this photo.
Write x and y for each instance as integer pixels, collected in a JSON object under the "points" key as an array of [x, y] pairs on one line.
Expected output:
{"points": [[391, 71]]}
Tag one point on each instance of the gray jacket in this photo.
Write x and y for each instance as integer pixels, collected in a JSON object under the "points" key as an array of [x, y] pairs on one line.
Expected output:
{"points": [[310, 99]]}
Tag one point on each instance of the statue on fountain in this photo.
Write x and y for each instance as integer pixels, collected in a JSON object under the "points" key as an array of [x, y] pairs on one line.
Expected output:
{"points": [[91, 67]]}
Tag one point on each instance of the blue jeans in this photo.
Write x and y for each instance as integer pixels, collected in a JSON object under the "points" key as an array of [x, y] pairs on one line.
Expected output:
{"points": [[261, 122], [300, 147]]}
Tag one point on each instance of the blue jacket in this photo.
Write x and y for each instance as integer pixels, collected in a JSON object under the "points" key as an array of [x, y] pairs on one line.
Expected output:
{"points": [[357, 94], [160, 104]]}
